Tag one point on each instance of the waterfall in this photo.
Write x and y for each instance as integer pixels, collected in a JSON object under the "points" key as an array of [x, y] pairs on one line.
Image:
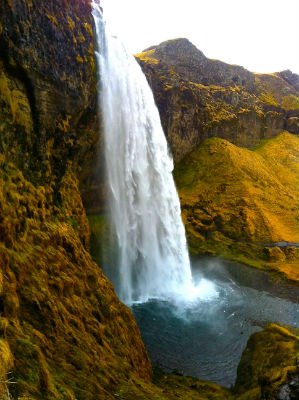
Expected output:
{"points": [[145, 215]]}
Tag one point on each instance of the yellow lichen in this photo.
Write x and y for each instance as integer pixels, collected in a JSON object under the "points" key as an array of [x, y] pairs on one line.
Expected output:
{"points": [[88, 28], [268, 98], [147, 56], [53, 19], [79, 59], [70, 23], [64, 125], [13, 93]]}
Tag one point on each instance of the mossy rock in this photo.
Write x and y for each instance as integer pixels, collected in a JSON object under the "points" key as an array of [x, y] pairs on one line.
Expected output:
{"points": [[270, 359], [200, 98]]}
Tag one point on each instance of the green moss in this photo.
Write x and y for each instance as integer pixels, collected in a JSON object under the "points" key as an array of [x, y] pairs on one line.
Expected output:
{"points": [[100, 239], [268, 98], [147, 57], [270, 357], [290, 102], [172, 387], [27, 366], [58, 307], [235, 200]]}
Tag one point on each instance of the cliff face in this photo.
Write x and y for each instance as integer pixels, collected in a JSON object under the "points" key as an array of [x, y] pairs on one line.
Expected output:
{"points": [[64, 334], [48, 88], [68, 335], [237, 202], [200, 98]]}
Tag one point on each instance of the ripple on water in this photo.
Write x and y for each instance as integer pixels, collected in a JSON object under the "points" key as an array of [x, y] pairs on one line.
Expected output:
{"points": [[205, 336]]}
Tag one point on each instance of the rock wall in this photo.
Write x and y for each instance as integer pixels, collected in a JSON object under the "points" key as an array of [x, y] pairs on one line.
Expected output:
{"points": [[267, 374], [200, 98], [63, 332], [48, 89]]}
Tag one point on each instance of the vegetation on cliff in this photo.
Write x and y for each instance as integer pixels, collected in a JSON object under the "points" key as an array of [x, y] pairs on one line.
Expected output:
{"points": [[69, 335], [237, 203], [200, 98], [63, 332], [269, 365]]}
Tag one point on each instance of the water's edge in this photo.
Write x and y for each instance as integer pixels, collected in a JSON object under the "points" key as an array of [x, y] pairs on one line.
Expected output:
{"points": [[206, 340]]}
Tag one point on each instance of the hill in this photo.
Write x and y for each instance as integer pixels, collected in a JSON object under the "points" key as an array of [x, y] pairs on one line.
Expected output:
{"points": [[240, 203], [200, 98]]}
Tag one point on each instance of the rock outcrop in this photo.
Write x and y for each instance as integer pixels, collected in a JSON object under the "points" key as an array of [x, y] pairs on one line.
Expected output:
{"points": [[200, 98], [213, 115], [48, 89], [267, 374], [64, 333]]}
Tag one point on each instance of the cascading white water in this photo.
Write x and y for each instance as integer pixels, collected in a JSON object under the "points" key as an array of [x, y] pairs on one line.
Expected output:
{"points": [[153, 260]]}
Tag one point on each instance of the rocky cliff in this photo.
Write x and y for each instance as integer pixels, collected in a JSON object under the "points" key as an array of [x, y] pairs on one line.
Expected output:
{"points": [[48, 89], [200, 98], [63, 332], [234, 138]]}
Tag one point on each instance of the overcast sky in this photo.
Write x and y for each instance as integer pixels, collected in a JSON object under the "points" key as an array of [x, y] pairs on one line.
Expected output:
{"points": [[261, 35]]}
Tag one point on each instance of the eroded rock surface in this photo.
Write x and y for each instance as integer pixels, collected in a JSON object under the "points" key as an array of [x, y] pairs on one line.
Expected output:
{"points": [[200, 98]]}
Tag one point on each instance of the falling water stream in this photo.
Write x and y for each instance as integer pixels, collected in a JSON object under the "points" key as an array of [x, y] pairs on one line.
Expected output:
{"points": [[153, 260], [197, 324]]}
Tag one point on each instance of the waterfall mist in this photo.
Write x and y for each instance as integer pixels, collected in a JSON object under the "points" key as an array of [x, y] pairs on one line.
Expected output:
{"points": [[145, 216]]}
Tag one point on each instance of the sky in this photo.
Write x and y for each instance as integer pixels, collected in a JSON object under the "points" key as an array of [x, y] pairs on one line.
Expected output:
{"points": [[260, 35]]}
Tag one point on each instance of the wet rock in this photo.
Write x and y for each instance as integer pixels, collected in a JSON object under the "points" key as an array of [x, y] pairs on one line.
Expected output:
{"points": [[290, 390], [274, 254], [268, 365]]}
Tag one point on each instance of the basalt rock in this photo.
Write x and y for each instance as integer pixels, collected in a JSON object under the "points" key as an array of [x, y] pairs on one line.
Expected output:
{"points": [[200, 98], [290, 77], [193, 66], [63, 332], [48, 89]]}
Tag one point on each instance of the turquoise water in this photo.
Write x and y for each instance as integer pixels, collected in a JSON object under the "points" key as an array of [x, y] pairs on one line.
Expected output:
{"points": [[206, 339]]}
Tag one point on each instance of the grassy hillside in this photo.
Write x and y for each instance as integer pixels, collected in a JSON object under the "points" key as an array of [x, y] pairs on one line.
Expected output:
{"points": [[237, 202]]}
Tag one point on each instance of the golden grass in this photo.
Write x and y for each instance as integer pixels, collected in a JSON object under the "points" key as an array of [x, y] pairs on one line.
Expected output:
{"points": [[233, 198], [147, 56]]}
